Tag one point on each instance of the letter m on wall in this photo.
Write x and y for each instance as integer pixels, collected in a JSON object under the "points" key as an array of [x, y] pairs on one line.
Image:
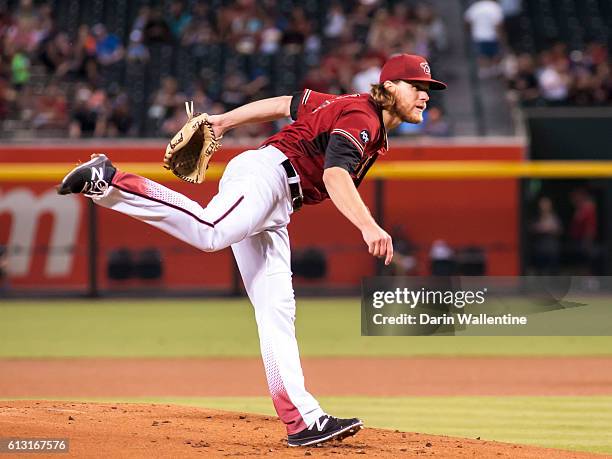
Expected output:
{"points": [[25, 210]]}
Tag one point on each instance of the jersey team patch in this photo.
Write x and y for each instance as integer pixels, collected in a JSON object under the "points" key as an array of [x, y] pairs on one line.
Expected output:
{"points": [[365, 136]]}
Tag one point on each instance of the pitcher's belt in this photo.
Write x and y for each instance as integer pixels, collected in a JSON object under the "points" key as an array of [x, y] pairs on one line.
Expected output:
{"points": [[297, 198]]}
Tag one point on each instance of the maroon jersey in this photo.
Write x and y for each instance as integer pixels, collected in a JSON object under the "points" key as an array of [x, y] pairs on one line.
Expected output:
{"points": [[331, 131]]}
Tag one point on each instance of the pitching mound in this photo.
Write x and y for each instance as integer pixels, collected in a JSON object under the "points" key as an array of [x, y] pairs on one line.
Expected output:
{"points": [[130, 430]]}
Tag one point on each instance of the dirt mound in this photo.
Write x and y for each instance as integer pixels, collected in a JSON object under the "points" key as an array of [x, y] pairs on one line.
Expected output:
{"points": [[139, 430]]}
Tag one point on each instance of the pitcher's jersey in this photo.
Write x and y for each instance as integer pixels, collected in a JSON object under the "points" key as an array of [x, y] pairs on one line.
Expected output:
{"points": [[346, 131]]}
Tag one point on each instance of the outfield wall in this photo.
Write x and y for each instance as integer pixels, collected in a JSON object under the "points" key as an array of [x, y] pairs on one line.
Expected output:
{"points": [[48, 234]]}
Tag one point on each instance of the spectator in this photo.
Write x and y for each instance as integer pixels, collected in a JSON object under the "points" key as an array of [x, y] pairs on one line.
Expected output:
{"points": [[234, 91], [432, 26], [21, 33], [442, 258], [294, 37], [174, 122], [51, 109], [109, 49], [166, 99], [5, 25], [200, 29], [142, 19], [583, 88], [523, 81], [320, 80], [120, 120], [246, 39], [583, 226], [337, 63], [335, 21], [137, 51], [580, 77], [586, 78], [553, 79], [512, 10], [312, 48], [44, 23], [603, 82], [84, 65], [436, 124], [20, 68], [359, 21], [270, 37], [404, 261], [239, 24], [201, 99], [56, 54], [249, 27], [546, 232], [485, 19], [7, 98], [25, 105], [369, 72], [87, 118], [156, 29], [384, 32], [179, 19]]}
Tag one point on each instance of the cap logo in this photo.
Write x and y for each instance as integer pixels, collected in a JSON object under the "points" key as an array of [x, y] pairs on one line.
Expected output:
{"points": [[425, 67]]}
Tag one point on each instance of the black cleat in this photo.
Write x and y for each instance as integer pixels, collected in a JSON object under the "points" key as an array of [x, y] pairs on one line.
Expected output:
{"points": [[324, 429], [91, 178]]}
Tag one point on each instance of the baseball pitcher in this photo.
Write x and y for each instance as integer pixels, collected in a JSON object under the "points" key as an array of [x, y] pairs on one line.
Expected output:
{"points": [[324, 153]]}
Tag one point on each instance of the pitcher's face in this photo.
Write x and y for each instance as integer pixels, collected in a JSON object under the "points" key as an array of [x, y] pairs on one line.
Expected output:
{"points": [[410, 100]]}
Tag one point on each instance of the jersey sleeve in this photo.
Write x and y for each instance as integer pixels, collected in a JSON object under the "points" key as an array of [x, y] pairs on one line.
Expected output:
{"points": [[349, 139], [306, 101]]}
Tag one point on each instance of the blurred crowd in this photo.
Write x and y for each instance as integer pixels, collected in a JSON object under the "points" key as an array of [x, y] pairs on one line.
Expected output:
{"points": [[557, 75], [560, 76], [52, 81], [57, 82], [571, 244]]}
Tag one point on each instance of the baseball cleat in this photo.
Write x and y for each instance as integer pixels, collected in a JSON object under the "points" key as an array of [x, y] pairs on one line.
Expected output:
{"points": [[91, 178], [324, 429]]}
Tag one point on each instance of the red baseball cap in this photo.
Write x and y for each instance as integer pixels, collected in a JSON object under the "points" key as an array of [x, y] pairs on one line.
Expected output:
{"points": [[409, 67]]}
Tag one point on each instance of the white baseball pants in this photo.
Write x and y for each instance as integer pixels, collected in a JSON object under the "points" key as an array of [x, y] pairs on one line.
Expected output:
{"points": [[250, 213]]}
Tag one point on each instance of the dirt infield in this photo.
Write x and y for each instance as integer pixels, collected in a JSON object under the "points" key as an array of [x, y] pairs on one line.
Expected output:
{"points": [[32, 378], [130, 431]]}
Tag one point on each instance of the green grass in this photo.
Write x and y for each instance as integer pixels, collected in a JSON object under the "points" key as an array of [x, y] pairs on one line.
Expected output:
{"points": [[574, 423], [325, 327], [226, 328]]}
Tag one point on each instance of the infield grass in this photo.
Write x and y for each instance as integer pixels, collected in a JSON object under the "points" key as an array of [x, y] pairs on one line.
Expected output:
{"points": [[325, 327], [571, 423], [576, 423], [226, 328]]}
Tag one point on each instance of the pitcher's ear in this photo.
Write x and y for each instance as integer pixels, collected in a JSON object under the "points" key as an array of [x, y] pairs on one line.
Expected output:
{"points": [[390, 86]]}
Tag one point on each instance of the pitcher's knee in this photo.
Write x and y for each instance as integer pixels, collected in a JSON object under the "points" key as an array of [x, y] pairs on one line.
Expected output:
{"points": [[213, 243]]}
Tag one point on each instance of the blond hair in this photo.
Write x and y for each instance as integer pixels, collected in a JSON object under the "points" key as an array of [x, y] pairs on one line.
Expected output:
{"points": [[383, 98]]}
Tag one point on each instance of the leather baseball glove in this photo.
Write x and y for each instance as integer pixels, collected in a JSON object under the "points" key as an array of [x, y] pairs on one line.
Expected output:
{"points": [[189, 151]]}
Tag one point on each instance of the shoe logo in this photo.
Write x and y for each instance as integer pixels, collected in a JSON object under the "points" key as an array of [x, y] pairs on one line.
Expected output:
{"points": [[95, 188], [97, 173], [320, 425]]}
